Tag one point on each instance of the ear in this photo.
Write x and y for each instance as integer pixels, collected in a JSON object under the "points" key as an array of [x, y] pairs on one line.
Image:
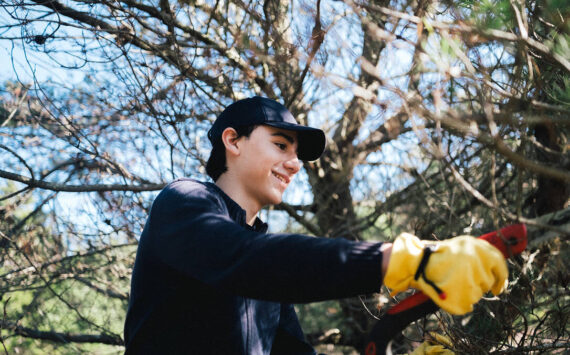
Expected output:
{"points": [[230, 139]]}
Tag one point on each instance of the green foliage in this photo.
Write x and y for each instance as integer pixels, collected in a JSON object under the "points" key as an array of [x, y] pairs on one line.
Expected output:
{"points": [[489, 14], [48, 288], [560, 92], [319, 316], [68, 306]]}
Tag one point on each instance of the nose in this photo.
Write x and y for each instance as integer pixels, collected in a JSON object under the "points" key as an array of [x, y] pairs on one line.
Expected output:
{"points": [[293, 165]]}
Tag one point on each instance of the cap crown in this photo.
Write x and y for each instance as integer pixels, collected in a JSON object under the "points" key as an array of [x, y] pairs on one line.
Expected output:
{"points": [[251, 111], [259, 110]]}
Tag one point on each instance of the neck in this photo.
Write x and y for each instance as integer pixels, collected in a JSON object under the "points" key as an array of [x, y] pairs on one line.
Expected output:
{"points": [[230, 185]]}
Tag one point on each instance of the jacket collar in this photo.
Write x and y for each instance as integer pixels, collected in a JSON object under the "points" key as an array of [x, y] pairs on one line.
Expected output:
{"points": [[237, 213]]}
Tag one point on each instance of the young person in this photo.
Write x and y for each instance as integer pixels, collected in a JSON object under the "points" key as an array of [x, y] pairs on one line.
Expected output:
{"points": [[209, 279]]}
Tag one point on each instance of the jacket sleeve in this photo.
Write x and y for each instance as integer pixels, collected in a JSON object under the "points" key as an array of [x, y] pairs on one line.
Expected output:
{"points": [[190, 232]]}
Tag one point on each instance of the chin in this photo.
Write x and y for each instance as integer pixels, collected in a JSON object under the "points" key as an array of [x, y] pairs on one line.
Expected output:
{"points": [[276, 199]]}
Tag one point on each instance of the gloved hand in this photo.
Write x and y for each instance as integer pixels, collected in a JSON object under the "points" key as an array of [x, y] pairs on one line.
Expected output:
{"points": [[437, 346], [454, 273]]}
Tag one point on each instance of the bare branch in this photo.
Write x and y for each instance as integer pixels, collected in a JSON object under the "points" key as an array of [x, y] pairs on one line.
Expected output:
{"points": [[78, 188], [64, 338]]}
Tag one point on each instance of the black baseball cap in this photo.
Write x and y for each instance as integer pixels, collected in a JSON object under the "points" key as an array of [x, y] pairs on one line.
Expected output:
{"points": [[259, 110]]}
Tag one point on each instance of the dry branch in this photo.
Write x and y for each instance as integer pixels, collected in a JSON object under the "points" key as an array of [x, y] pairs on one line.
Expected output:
{"points": [[46, 185], [59, 337]]}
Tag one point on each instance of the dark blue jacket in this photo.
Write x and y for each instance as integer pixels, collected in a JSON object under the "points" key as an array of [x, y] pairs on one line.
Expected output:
{"points": [[205, 282]]}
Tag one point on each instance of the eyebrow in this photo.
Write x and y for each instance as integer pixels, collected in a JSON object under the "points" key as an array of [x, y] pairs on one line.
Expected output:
{"points": [[286, 136]]}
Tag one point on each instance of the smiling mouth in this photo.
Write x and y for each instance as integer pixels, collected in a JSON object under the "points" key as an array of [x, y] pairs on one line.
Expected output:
{"points": [[281, 178]]}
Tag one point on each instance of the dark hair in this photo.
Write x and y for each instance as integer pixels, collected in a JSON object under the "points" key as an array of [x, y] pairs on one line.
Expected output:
{"points": [[216, 164]]}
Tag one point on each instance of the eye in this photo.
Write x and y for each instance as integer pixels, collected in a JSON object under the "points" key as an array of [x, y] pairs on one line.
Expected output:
{"points": [[281, 146]]}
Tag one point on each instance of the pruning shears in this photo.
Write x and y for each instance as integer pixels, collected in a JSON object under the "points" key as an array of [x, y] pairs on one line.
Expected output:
{"points": [[511, 241]]}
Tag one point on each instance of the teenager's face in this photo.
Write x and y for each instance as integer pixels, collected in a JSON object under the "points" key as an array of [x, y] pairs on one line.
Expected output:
{"points": [[267, 163]]}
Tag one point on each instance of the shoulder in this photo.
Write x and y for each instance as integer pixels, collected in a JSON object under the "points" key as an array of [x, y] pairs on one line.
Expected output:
{"points": [[185, 190], [188, 187]]}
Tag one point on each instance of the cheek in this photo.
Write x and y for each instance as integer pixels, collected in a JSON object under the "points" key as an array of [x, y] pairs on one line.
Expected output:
{"points": [[259, 168], [260, 162], [264, 158]]}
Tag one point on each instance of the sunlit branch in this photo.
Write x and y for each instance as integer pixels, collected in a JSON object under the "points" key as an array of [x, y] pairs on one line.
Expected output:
{"points": [[78, 188]]}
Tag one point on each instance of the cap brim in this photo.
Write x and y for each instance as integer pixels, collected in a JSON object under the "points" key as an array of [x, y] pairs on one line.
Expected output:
{"points": [[312, 141]]}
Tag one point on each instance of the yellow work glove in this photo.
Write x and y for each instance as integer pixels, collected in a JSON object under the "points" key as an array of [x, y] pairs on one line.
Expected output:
{"points": [[454, 273], [434, 347]]}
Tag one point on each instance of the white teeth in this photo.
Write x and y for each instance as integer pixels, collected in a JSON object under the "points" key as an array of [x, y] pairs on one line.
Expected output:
{"points": [[279, 177]]}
